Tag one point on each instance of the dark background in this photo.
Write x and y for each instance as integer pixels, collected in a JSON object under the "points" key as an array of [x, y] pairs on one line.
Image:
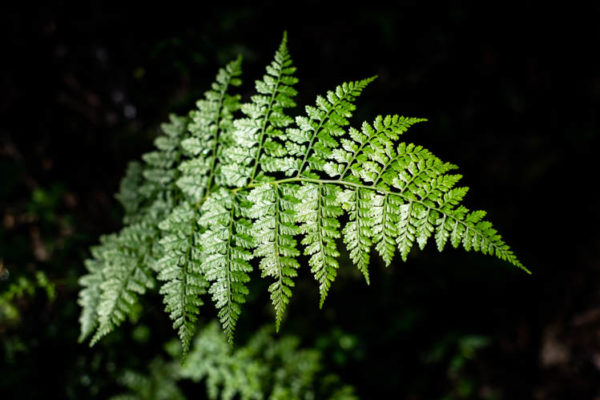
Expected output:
{"points": [[512, 94]]}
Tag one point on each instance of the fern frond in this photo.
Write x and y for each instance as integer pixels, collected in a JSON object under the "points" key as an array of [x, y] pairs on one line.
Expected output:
{"points": [[160, 171], [210, 130], [385, 222], [225, 254], [126, 276], [358, 232], [313, 138], [273, 209], [180, 269], [361, 148], [129, 192], [122, 262], [89, 295], [180, 266], [227, 188], [257, 136], [318, 211]]}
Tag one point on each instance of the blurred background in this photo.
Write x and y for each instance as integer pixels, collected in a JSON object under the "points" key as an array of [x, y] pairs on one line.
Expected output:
{"points": [[512, 94]]}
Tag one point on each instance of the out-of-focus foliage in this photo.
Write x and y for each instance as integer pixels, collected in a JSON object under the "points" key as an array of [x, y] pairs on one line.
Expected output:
{"points": [[9, 313], [456, 354], [159, 383], [23, 290], [265, 368], [25, 249]]}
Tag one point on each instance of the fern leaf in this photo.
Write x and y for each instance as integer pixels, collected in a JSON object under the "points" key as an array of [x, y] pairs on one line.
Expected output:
{"points": [[369, 145], [225, 189], [274, 231], [89, 296], [256, 135], [225, 255], [210, 129], [359, 204], [385, 226], [318, 212], [180, 267], [406, 228], [160, 171], [314, 136], [126, 276], [180, 270], [129, 192]]}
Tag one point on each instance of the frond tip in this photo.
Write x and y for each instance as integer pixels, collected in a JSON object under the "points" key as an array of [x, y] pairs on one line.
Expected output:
{"points": [[232, 182]]}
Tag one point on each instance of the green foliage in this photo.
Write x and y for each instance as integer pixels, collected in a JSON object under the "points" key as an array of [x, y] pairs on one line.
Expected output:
{"points": [[181, 271], [159, 384], [273, 208], [456, 353], [264, 368], [222, 190], [22, 287], [225, 254], [125, 275]]}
